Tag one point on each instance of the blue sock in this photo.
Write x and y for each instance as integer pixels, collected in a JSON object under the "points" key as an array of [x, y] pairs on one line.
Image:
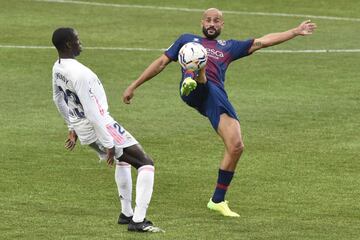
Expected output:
{"points": [[222, 185], [189, 73]]}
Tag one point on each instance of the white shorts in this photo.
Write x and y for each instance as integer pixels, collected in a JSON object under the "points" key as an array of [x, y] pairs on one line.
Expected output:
{"points": [[87, 135]]}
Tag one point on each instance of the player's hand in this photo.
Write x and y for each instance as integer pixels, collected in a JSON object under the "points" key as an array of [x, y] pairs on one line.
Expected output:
{"points": [[305, 28], [128, 95], [71, 140], [110, 153]]}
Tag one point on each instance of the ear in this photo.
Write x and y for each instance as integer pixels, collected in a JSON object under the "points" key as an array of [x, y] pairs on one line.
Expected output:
{"points": [[68, 45]]}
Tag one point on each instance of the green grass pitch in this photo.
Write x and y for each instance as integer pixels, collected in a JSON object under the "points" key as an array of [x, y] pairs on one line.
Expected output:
{"points": [[299, 175]]}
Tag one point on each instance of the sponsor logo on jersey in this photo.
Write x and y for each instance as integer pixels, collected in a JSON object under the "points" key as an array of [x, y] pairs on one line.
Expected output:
{"points": [[221, 42], [214, 53]]}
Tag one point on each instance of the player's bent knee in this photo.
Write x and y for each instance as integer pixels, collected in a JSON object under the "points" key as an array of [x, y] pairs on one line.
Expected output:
{"points": [[237, 148], [143, 161], [136, 161], [148, 161]]}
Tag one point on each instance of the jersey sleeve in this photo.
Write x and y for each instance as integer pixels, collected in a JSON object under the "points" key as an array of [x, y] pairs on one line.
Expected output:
{"points": [[93, 99], [61, 105], [241, 49], [173, 51]]}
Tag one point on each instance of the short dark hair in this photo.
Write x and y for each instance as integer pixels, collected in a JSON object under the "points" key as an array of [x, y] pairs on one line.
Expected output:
{"points": [[61, 36]]}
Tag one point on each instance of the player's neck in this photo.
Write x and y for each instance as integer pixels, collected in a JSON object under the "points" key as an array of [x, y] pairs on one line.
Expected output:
{"points": [[66, 55], [210, 39]]}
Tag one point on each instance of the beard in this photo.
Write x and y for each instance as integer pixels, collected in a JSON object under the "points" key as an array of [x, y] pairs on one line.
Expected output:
{"points": [[213, 35], [77, 51]]}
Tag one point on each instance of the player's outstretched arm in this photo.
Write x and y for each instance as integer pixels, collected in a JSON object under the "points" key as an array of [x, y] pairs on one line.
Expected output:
{"points": [[305, 28], [151, 71]]}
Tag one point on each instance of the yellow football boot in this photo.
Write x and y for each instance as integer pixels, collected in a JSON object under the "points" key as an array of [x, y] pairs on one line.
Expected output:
{"points": [[222, 207], [187, 86]]}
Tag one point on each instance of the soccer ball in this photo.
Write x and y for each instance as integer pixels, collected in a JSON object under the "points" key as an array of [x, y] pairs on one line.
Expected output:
{"points": [[192, 56]]}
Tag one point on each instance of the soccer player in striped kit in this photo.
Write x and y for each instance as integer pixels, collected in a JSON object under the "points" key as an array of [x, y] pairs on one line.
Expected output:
{"points": [[81, 100], [204, 90]]}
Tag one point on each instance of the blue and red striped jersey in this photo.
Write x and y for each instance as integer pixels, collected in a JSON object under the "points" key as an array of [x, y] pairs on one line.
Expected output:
{"points": [[220, 54]]}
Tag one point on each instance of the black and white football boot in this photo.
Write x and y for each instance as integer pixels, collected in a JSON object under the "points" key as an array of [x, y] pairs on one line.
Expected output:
{"points": [[144, 226], [123, 219]]}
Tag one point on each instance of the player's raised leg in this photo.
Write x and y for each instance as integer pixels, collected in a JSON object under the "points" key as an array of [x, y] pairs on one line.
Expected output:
{"points": [[188, 84], [191, 79], [230, 132]]}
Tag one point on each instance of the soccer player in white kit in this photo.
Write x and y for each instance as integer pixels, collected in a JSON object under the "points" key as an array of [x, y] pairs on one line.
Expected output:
{"points": [[81, 100]]}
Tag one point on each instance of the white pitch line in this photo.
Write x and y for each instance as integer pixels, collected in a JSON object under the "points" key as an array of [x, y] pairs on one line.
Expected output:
{"points": [[312, 51], [127, 49], [90, 48], [163, 49], [201, 10], [26, 47]]}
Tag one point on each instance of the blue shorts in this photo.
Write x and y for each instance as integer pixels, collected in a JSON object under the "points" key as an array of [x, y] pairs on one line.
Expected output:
{"points": [[211, 101]]}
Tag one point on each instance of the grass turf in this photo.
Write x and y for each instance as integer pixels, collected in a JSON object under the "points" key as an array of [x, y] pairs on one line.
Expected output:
{"points": [[298, 178]]}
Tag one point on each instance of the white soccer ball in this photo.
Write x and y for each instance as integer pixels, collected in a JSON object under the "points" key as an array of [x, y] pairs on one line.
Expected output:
{"points": [[192, 56]]}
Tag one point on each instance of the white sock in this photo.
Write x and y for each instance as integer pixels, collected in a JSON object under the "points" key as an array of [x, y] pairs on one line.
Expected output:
{"points": [[144, 189], [124, 184]]}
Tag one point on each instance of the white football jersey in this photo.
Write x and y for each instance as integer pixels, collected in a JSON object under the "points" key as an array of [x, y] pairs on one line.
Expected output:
{"points": [[81, 100]]}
